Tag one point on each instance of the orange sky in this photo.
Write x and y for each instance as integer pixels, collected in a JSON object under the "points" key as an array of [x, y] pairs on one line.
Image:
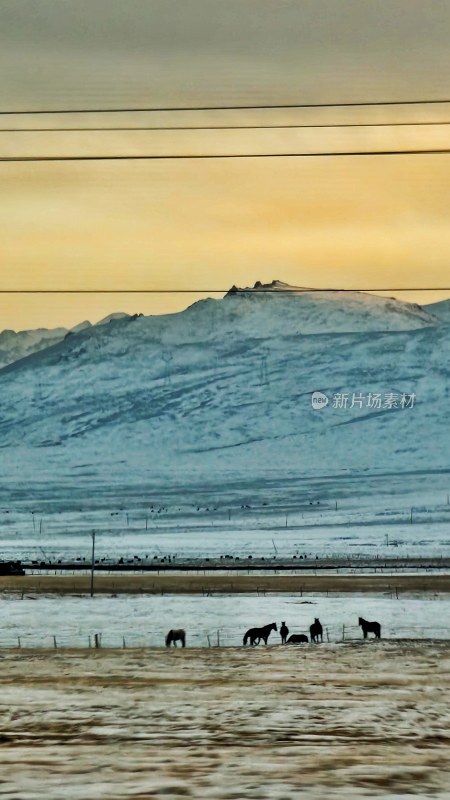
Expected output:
{"points": [[353, 222]]}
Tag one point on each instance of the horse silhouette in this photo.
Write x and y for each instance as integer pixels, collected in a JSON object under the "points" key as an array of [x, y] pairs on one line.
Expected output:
{"points": [[256, 634], [284, 631], [316, 630], [174, 636], [297, 638], [370, 627]]}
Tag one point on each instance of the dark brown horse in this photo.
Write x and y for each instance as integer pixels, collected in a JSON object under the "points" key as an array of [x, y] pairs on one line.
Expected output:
{"points": [[175, 636], [284, 632], [256, 634], [316, 630], [370, 627], [297, 638]]}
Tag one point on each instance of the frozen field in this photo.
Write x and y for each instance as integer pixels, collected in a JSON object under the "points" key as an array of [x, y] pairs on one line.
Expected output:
{"points": [[410, 525], [340, 721], [143, 621]]}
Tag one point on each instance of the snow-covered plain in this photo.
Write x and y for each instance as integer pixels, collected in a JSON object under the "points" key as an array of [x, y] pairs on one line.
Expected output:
{"points": [[378, 524], [143, 621], [356, 720]]}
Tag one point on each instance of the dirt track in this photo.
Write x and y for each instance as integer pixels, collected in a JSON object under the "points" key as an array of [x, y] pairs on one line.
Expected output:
{"points": [[335, 721], [210, 583]]}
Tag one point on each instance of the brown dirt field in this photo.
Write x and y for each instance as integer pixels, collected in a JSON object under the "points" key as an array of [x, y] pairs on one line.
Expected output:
{"points": [[342, 721], [182, 583]]}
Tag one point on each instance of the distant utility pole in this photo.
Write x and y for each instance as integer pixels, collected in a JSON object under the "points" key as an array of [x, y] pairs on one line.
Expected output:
{"points": [[167, 357], [263, 373], [92, 563]]}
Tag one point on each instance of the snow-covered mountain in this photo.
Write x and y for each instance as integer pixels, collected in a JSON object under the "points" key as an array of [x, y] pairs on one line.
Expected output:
{"points": [[15, 345], [219, 396], [310, 311]]}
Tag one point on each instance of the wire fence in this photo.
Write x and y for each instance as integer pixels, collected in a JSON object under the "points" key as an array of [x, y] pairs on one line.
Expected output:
{"points": [[219, 637]]}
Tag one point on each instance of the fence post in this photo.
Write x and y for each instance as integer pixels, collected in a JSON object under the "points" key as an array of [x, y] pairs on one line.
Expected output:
{"points": [[97, 639], [90, 643], [209, 640], [92, 563], [19, 644], [328, 636], [218, 638], [123, 643], [343, 632], [54, 642]]}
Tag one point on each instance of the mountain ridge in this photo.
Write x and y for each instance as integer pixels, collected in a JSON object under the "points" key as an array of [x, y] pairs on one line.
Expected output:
{"points": [[15, 345], [353, 311]]}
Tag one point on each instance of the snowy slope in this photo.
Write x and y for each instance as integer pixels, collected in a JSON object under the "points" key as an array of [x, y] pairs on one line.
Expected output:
{"points": [[321, 312], [220, 395], [441, 310], [16, 345]]}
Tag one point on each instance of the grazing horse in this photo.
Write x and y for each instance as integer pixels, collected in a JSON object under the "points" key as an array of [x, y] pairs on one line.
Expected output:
{"points": [[297, 638], [370, 627], [175, 636], [256, 634], [316, 630], [284, 631]]}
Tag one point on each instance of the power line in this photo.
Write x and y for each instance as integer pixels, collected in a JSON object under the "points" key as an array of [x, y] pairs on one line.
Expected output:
{"points": [[267, 106], [224, 291], [225, 127], [189, 156]]}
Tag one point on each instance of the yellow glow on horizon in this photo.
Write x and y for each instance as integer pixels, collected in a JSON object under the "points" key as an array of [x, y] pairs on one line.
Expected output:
{"points": [[374, 222]]}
